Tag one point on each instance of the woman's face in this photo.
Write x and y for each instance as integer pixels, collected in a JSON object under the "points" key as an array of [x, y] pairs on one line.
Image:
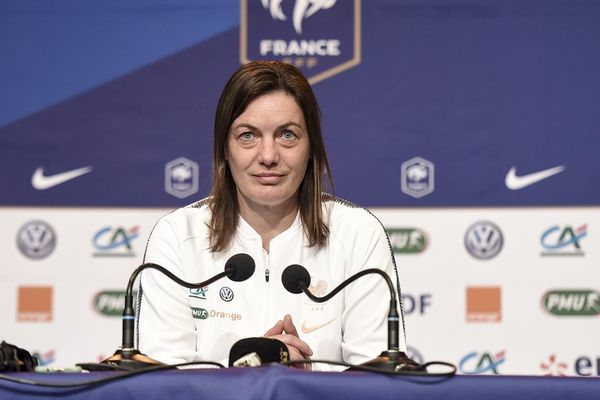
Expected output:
{"points": [[268, 150]]}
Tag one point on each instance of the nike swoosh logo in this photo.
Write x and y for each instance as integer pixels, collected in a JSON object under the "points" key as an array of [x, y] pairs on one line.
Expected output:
{"points": [[308, 329], [40, 181], [514, 182]]}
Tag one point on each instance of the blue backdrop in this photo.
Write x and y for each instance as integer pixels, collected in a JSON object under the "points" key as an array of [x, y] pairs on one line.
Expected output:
{"points": [[476, 87]]}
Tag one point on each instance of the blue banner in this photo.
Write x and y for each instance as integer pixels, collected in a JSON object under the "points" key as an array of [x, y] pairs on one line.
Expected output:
{"points": [[425, 103]]}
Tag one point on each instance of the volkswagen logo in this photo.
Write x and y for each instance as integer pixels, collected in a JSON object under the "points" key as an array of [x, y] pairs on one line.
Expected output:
{"points": [[226, 294], [483, 240], [36, 239]]}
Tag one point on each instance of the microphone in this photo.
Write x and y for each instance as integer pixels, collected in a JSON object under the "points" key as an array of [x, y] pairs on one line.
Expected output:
{"points": [[257, 351], [238, 268], [296, 279]]}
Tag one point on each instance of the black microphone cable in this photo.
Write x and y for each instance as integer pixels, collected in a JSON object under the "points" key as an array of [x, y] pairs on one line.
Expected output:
{"points": [[237, 268], [420, 370], [73, 387], [296, 279]]}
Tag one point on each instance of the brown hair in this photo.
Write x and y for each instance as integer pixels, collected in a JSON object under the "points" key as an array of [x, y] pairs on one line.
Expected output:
{"points": [[246, 84]]}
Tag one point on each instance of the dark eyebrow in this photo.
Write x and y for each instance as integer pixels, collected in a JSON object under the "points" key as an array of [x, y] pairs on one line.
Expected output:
{"points": [[254, 128], [244, 125], [291, 123]]}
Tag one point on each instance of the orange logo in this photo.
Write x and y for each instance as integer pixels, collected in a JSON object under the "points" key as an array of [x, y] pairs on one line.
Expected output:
{"points": [[484, 304], [34, 304]]}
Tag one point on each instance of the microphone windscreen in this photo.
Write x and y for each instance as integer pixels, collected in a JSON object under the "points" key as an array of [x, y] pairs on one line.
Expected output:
{"points": [[292, 276], [240, 267], [267, 349]]}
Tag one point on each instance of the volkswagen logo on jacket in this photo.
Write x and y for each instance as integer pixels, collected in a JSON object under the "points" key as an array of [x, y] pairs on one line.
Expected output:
{"points": [[226, 294]]}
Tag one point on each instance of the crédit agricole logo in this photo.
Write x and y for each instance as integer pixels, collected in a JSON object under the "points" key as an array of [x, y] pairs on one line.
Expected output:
{"points": [[320, 37]]}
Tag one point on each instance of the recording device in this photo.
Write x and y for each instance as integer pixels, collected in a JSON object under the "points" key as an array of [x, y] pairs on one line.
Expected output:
{"points": [[238, 268], [257, 351], [296, 279], [16, 359]]}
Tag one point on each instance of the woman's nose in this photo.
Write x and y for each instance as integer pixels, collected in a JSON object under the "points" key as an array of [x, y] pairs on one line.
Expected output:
{"points": [[268, 153]]}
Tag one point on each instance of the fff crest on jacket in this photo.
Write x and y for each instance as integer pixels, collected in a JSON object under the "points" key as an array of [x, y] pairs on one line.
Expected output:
{"points": [[320, 37]]}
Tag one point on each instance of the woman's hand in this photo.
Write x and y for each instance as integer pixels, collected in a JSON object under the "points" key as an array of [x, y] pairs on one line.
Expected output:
{"points": [[286, 332]]}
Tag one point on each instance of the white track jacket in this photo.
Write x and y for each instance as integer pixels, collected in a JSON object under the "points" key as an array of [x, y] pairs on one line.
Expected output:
{"points": [[176, 324]]}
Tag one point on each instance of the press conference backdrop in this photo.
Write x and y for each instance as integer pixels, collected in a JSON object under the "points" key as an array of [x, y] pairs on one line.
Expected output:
{"points": [[470, 128]]}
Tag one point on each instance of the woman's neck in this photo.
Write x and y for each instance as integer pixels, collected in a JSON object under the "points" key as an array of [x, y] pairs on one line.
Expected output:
{"points": [[268, 221]]}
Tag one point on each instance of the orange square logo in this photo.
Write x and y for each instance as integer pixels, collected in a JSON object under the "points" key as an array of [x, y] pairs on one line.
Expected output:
{"points": [[34, 304], [484, 304]]}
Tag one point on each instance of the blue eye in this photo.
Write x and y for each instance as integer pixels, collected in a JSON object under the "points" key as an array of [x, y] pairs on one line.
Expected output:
{"points": [[288, 135], [247, 136]]}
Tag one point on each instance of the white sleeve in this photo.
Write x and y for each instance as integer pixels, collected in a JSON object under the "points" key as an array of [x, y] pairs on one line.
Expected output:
{"points": [[367, 300], [165, 325]]}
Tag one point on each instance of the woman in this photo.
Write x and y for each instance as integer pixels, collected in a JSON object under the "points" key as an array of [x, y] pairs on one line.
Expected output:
{"points": [[267, 200]]}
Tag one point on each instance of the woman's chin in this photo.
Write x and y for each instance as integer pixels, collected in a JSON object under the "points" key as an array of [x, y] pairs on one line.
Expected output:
{"points": [[272, 200]]}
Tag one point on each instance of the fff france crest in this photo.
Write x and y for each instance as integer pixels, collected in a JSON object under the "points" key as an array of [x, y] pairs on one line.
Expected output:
{"points": [[320, 37]]}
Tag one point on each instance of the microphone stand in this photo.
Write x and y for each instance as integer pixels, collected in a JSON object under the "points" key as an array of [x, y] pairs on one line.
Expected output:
{"points": [[391, 359], [127, 356]]}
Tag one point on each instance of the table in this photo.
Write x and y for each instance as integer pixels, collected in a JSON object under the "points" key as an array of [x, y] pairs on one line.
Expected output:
{"points": [[279, 382]]}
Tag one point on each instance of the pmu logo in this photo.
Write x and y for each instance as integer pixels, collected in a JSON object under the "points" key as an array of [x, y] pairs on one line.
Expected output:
{"points": [[110, 302], [36, 239], [408, 240], [564, 241], [417, 177], [321, 37], [199, 313], [572, 302], [115, 242], [480, 363], [483, 240]]}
